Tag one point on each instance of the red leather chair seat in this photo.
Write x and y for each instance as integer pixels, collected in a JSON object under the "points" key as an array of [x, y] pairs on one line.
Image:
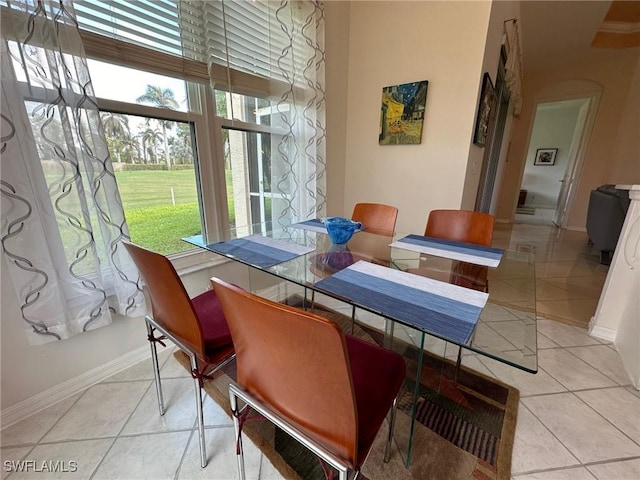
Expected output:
{"points": [[372, 401], [215, 330]]}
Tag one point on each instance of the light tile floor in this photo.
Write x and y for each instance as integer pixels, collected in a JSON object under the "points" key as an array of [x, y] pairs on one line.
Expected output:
{"points": [[578, 418], [569, 276]]}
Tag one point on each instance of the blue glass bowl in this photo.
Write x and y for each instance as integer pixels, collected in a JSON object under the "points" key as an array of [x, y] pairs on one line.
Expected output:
{"points": [[341, 229]]}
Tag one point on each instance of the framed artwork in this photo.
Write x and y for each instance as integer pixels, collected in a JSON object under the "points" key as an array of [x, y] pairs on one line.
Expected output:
{"points": [[402, 113], [484, 111], [545, 156]]}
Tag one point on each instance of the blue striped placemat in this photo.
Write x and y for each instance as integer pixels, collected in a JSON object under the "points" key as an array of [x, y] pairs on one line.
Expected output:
{"points": [[314, 225], [436, 307], [466, 252], [263, 252]]}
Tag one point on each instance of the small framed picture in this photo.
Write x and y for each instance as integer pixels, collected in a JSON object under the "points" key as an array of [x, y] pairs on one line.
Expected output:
{"points": [[545, 156], [483, 116]]}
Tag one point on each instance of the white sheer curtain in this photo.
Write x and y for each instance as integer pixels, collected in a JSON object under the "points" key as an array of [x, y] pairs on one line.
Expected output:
{"points": [[513, 66], [275, 51], [62, 216], [298, 89]]}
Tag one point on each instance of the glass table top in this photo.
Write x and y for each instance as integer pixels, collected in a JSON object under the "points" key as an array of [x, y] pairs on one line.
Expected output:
{"points": [[506, 330]]}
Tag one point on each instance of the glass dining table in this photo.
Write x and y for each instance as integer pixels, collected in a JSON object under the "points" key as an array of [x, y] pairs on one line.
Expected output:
{"points": [[418, 296]]}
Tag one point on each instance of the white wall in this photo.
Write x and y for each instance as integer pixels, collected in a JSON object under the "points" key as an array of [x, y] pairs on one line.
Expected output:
{"points": [[617, 316], [399, 42], [626, 148], [27, 371], [500, 11], [553, 128], [607, 159]]}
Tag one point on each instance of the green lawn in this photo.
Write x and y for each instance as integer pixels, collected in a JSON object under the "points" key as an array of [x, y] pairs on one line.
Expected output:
{"points": [[153, 220], [161, 228], [152, 188]]}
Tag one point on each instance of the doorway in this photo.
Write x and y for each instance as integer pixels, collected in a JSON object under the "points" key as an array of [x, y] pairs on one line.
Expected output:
{"points": [[554, 159]]}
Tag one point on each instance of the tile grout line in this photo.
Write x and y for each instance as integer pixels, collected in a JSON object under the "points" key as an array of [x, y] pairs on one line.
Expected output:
{"points": [[176, 476], [95, 470], [73, 404], [582, 465], [104, 455], [594, 366], [550, 432], [606, 419]]}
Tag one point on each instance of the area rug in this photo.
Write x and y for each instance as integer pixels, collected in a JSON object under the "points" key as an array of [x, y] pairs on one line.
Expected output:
{"points": [[465, 428], [526, 210]]}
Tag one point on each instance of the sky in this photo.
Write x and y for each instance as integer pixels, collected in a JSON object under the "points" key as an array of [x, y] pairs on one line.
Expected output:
{"points": [[126, 84]]}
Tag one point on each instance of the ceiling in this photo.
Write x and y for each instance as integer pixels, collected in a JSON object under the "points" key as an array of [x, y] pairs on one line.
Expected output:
{"points": [[557, 33]]}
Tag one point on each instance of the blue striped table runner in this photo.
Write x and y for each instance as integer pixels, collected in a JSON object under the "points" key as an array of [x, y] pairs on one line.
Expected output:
{"points": [[263, 252], [436, 307], [466, 252]]}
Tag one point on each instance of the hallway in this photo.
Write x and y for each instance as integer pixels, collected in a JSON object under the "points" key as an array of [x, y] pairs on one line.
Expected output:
{"points": [[569, 276]]}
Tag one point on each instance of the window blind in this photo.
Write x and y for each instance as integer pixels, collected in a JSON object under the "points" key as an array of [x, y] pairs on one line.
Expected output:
{"points": [[194, 31], [241, 35], [256, 37], [153, 24], [251, 44]]}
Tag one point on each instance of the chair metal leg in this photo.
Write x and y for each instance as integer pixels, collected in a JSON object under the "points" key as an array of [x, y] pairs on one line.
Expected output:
{"points": [[353, 319], [458, 362], [156, 368], [392, 422], [389, 333], [198, 394], [233, 402]]}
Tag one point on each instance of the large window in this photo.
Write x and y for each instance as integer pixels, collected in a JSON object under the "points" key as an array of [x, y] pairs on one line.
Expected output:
{"points": [[188, 158], [151, 125], [143, 146], [150, 134], [247, 141]]}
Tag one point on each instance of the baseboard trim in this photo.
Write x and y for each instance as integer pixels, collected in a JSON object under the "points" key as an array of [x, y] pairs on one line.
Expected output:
{"points": [[603, 333], [53, 395], [42, 400]]}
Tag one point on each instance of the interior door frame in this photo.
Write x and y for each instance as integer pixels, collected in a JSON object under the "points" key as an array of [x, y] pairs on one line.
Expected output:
{"points": [[568, 176], [594, 103]]}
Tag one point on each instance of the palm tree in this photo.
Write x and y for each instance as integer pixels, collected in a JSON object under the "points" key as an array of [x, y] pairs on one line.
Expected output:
{"points": [[150, 139], [182, 144], [115, 124], [162, 98], [118, 133]]}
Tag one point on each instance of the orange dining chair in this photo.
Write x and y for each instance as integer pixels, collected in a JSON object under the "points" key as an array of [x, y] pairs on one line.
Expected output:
{"points": [[464, 226], [376, 217], [329, 391], [461, 226], [197, 326], [469, 227]]}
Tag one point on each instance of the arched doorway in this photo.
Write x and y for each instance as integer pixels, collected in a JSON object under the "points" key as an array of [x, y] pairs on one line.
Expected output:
{"points": [[554, 160]]}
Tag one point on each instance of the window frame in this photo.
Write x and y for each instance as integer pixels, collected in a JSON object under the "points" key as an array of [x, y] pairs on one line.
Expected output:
{"points": [[209, 149], [200, 78]]}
